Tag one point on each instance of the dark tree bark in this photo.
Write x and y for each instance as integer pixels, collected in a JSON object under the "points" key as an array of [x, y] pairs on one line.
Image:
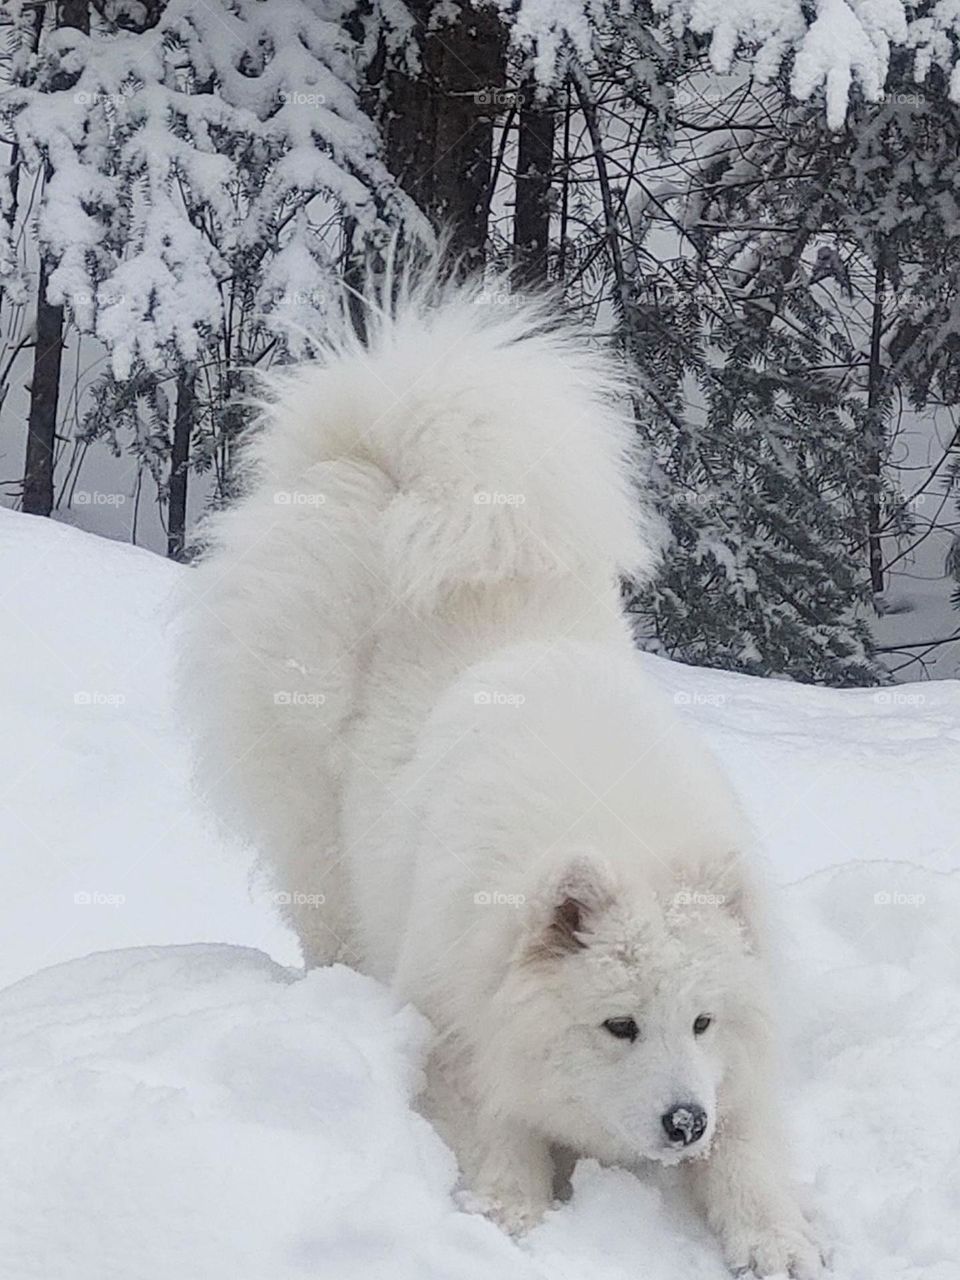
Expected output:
{"points": [[44, 399], [74, 13], [438, 126], [183, 424], [48, 353], [875, 445], [531, 222]]}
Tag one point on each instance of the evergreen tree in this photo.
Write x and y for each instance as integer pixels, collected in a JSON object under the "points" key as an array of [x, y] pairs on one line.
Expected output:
{"points": [[763, 486], [775, 256], [201, 167]]}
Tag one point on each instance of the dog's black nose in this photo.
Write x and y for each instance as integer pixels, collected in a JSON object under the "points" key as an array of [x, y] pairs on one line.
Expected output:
{"points": [[684, 1123]]}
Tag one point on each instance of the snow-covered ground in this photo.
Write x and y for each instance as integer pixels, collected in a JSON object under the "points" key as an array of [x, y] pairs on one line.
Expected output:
{"points": [[185, 1104]]}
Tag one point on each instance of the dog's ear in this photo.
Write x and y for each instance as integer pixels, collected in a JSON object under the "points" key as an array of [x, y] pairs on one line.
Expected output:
{"points": [[571, 899], [727, 883], [735, 880]]}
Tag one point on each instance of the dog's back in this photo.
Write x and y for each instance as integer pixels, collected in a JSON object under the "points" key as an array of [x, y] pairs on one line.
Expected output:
{"points": [[459, 483]]}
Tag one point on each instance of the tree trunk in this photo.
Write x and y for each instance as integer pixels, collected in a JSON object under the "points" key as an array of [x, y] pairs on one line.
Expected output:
{"points": [[183, 425], [531, 221], [875, 444], [438, 126], [44, 398], [74, 13], [566, 170], [48, 353]]}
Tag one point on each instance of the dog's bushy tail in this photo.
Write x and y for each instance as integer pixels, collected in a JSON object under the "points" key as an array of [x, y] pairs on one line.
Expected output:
{"points": [[500, 435], [470, 440]]}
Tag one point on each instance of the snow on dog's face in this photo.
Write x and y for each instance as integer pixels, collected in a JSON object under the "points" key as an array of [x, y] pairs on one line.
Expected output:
{"points": [[626, 1013]]}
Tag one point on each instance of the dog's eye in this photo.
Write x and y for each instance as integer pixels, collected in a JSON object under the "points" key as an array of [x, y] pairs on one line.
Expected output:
{"points": [[622, 1028], [701, 1023]]}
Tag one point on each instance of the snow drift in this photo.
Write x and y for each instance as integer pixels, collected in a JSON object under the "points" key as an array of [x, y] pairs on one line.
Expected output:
{"points": [[174, 1111]]}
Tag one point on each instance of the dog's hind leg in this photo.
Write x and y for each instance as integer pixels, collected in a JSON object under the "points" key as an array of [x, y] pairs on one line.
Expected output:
{"points": [[320, 918], [310, 889]]}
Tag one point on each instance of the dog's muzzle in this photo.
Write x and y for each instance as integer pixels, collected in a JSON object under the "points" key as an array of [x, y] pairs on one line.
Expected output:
{"points": [[684, 1123]]}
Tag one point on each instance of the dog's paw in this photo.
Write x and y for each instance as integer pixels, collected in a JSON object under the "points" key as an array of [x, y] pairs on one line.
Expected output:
{"points": [[773, 1250], [514, 1214], [512, 1183]]}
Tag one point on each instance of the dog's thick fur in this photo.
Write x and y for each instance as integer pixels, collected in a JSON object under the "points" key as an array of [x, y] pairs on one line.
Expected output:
{"points": [[415, 692]]}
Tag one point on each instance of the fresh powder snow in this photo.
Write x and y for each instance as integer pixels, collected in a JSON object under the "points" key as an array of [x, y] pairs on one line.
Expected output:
{"points": [[185, 1104]]}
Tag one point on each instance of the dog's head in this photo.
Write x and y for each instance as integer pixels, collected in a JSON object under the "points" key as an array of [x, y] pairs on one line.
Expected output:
{"points": [[623, 1010]]}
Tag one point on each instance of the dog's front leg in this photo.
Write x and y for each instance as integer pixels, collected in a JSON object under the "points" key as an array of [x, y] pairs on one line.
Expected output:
{"points": [[510, 1172], [749, 1203], [507, 1168]]}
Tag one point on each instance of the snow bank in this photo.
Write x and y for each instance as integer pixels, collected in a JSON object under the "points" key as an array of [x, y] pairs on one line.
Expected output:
{"points": [[830, 776], [178, 1112], [200, 1112], [171, 1112], [100, 842]]}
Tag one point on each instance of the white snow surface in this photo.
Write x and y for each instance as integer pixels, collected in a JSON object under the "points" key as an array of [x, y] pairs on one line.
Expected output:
{"points": [[185, 1104]]}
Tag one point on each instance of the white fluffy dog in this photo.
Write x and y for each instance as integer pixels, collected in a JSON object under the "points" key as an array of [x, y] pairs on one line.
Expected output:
{"points": [[416, 693]]}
